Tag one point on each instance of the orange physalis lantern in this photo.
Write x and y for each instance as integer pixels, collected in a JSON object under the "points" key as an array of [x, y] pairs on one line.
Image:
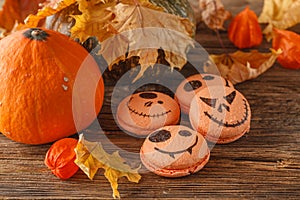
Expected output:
{"points": [[244, 30], [288, 42], [60, 158]]}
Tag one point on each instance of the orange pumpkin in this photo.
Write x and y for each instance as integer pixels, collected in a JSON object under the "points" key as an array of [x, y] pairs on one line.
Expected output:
{"points": [[50, 87]]}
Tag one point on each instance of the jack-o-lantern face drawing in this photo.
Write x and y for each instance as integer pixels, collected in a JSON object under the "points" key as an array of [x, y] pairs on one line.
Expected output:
{"points": [[142, 105], [164, 135], [176, 149], [222, 115], [190, 86], [143, 112]]}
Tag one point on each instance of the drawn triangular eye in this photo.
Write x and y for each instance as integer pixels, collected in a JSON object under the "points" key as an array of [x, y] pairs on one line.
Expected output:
{"points": [[229, 98], [210, 102]]}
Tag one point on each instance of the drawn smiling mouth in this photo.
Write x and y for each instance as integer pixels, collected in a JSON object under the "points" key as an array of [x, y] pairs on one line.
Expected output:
{"points": [[172, 154], [147, 115], [226, 124]]}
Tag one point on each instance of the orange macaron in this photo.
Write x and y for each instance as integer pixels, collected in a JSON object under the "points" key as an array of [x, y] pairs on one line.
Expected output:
{"points": [[220, 114], [191, 85], [141, 113], [174, 151]]}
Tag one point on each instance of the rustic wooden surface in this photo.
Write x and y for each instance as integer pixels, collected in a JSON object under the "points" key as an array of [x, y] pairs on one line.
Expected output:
{"points": [[265, 163]]}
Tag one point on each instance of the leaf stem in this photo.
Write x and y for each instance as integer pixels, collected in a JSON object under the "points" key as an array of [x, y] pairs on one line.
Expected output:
{"points": [[220, 39]]}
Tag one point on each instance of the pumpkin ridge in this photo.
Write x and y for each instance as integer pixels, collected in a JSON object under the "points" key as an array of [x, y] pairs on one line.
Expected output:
{"points": [[42, 79], [75, 57], [60, 64]]}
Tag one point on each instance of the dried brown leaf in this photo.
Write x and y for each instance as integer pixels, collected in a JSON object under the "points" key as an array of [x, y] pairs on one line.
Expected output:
{"points": [[148, 57], [137, 27], [196, 9], [213, 13], [111, 21], [240, 66]]}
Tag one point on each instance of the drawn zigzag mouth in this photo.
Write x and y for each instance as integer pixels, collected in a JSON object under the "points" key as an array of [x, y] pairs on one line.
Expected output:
{"points": [[226, 124], [147, 115], [172, 154]]}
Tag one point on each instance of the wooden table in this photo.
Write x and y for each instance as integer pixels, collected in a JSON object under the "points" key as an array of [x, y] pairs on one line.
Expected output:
{"points": [[265, 163]]}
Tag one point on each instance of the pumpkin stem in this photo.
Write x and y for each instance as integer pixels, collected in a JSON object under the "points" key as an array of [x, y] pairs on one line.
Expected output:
{"points": [[36, 34]]}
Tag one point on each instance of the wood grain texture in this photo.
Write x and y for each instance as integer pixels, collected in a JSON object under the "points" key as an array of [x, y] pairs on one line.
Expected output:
{"points": [[264, 164]]}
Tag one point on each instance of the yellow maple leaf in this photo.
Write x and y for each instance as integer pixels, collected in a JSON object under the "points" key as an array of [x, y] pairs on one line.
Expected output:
{"points": [[279, 14], [109, 20], [241, 66], [47, 10], [90, 156], [94, 21], [84, 5], [137, 27], [97, 18]]}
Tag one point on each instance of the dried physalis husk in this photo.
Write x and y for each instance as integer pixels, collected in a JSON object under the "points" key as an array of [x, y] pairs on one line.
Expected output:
{"points": [[288, 41], [244, 30], [60, 158]]}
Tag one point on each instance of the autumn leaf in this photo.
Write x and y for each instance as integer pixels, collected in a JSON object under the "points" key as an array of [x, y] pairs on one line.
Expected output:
{"points": [[244, 30], [174, 43], [95, 20], [108, 19], [104, 20], [90, 156], [213, 13], [173, 37], [279, 14], [49, 9], [289, 42], [118, 27], [14, 12], [196, 9], [148, 57], [240, 66]]}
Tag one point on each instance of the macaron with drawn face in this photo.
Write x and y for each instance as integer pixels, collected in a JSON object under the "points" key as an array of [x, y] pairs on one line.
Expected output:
{"points": [[143, 112], [174, 151], [221, 114], [191, 85]]}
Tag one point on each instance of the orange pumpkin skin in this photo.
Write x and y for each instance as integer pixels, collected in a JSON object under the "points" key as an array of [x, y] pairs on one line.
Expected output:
{"points": [[38, 71]]}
